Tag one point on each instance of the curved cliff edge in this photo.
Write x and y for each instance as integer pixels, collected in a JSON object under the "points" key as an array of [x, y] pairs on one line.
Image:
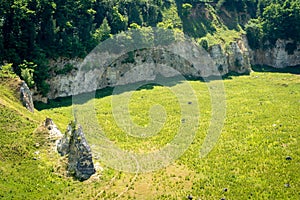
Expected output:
{"points": [[103, 69]]}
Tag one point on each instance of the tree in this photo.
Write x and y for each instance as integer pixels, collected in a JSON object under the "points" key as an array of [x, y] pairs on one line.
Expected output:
{"points": [[281, 20], [134, 15], [103, 32], [254, 33], [117, 21], [186, 9]]}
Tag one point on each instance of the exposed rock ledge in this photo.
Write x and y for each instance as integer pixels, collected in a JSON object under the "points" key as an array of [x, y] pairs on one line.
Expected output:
{"points": [[100, 70], [286, 53], [103, 69]]}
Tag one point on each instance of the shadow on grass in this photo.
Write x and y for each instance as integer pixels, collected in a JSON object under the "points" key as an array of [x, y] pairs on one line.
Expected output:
{"points": [[160, 81], [149, 85], [290, 70], [68, 101], [108, 91]]}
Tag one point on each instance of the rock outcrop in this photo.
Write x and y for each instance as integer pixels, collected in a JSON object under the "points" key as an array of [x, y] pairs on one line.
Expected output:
{"points": [[54, 133], [103, 69], [239, 57], [234, 59], [285, 53], [26, 97], [74, 144]]}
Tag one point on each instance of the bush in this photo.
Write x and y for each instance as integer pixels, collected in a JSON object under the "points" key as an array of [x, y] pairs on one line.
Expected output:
{"points": [[27, 76], [6, 71], [27, 71], [44, 88], [103, 32]]}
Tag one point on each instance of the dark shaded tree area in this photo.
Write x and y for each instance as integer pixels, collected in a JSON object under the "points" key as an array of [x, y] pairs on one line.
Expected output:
{"points": [[277, 19], [35, 31], [39, 30]]}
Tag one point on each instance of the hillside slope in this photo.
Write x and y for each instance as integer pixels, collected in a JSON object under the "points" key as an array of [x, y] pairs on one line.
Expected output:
{"points": [[256, 157], [26, 169]]}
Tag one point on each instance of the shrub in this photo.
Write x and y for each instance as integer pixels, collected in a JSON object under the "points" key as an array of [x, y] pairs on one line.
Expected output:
{"points": [[27, 71], [6, 71]]}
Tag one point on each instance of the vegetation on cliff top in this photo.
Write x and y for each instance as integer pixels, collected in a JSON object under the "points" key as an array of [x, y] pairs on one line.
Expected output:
{"points": [[36, 31]]}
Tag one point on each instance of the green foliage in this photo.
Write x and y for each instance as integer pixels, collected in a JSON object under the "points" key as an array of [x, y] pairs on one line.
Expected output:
{"points": [[282, 20], [134, 14], [254, 33], [118, 21], [135, 26], [27, 71], [278, 19], [203, 42], [27, 75], [291, 47], [65, 70], [186, 9], [39, 30], [103, 32], [6, 71], [130, 57]]}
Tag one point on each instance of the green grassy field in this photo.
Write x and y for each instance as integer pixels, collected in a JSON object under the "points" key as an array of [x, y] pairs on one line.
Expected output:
{"points": [[248, 162]]}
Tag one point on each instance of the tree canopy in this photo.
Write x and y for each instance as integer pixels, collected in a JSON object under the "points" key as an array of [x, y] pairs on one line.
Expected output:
{"points": [[35, 31]]}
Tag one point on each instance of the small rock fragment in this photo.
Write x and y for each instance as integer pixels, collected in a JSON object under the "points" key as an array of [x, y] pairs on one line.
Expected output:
{"points": [[288, 158], [287, 185]]}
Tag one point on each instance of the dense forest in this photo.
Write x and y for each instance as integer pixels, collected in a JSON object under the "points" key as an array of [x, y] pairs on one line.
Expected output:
{"points": [[34, 31]]}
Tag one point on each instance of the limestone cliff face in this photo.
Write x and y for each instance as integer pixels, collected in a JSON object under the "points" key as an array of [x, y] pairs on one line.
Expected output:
{"points": [[236, 58], [102, 69], [285, 54]]}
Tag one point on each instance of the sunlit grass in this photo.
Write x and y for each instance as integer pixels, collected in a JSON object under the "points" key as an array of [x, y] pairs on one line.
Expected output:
{"points": [[261, 130]]}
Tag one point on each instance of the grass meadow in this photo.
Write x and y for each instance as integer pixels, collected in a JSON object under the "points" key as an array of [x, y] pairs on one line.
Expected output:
{"points": [[257, 155]]}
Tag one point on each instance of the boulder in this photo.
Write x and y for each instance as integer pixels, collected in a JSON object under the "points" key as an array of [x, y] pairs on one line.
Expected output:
{"points": [[74, 144], [26, 97]]}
